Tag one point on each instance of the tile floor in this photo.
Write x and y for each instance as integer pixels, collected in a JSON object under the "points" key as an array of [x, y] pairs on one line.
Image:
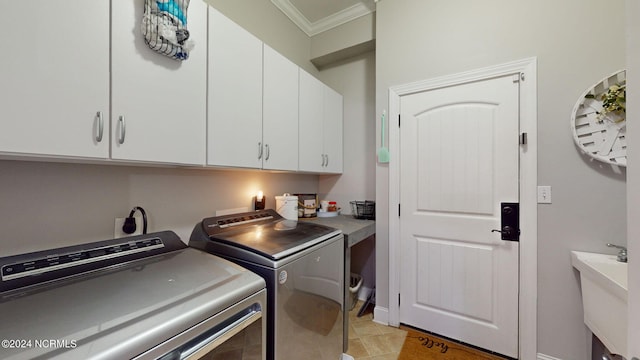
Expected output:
{"points": [[371, 341]]}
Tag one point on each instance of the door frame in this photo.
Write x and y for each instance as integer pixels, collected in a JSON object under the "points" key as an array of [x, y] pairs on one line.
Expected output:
{"points": [[528, 266]]}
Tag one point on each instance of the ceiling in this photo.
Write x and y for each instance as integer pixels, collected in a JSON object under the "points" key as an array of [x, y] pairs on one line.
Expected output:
{"points": [[316, 16]]}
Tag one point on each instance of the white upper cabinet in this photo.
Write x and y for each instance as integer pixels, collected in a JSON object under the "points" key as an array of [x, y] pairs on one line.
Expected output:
{"points": [[253, 101], [158, 103], [333, 128], [310, 149], [280, 112], [235, 95], [89, 87], [55, 78], [320, 127]]}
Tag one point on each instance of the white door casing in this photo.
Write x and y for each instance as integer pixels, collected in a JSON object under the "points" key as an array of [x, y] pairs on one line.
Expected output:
{"points": [[459, 161], [526, 271]]}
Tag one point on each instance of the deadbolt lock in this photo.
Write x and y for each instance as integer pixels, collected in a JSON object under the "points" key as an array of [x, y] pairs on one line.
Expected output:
{"points": [[510, 221]]}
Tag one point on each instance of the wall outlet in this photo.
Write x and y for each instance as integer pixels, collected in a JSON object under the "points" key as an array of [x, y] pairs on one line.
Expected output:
{"points": [[117, 231]]}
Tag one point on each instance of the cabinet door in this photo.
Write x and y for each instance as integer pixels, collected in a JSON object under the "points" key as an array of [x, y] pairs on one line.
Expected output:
{"points": [[280, 112], [310, 146], [333, 122], [55, 78], [158, 103], [235, 95]]}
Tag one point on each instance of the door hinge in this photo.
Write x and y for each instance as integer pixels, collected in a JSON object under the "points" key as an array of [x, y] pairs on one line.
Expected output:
{"points": [[523, 138], [518, 77]]}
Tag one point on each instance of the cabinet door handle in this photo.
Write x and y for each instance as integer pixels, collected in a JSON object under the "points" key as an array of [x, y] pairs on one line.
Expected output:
{"points": [[100, 127], [259, 150], [322, 160], [268, 152], [123, 130], [327, 163]]}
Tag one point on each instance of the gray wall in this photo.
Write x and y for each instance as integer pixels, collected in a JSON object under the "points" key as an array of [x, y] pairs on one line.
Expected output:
{"points": [[353, 33], [577, 43], [45, 205], [355, 79], [269, 24]]}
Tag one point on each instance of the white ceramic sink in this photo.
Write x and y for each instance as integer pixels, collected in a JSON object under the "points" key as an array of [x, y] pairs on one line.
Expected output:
{"points": [[604, 297]]}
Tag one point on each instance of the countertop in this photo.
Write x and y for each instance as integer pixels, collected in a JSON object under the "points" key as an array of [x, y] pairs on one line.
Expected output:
{"points": [[354, 230]]}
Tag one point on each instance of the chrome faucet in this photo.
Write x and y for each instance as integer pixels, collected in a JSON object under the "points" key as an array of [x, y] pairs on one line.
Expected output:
{"points": [[622, 254]]}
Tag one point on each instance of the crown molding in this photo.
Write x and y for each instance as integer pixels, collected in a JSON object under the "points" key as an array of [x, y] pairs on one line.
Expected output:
{"points": [[324, 24]]}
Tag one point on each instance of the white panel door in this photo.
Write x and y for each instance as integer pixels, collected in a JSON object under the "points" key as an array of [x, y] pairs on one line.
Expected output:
{"points": [[280, 112], [311, 154], [459, 161], [235, 95], [55, 78], [158, 103], [332, 134]]}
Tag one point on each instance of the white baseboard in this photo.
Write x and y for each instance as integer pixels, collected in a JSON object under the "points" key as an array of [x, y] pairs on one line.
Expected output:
{"points": [[381, 315], [546, 357]]}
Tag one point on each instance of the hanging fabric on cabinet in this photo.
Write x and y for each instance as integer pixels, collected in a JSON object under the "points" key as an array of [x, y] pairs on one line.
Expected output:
{"points": [[164, 27]]}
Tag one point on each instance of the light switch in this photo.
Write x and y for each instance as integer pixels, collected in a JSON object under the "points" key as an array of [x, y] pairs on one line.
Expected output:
{"points": [[544, 194]]}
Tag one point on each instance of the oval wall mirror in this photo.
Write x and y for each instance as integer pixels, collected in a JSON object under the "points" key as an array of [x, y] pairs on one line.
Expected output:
{"points": [[598, 121]]}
